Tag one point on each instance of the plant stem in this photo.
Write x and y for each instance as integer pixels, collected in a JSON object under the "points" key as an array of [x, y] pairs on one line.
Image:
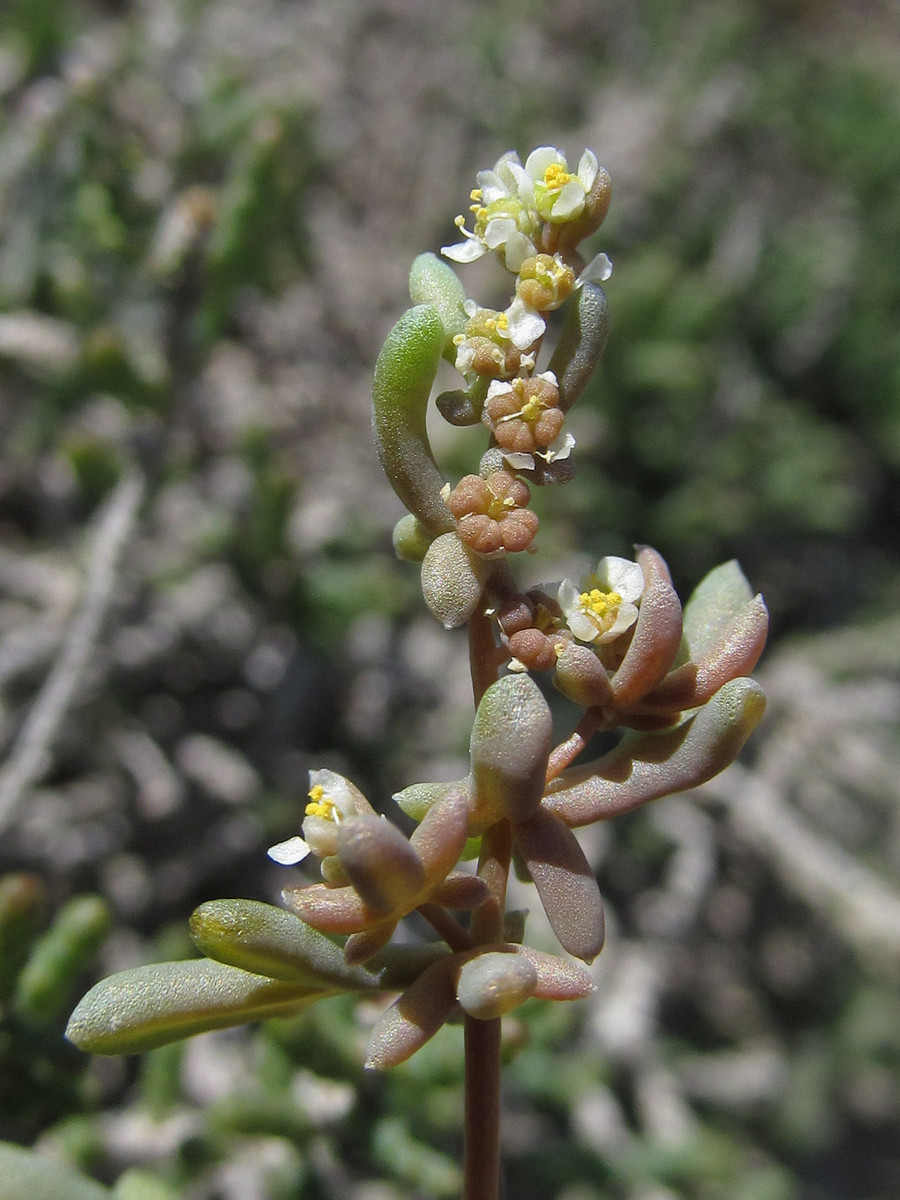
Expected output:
{"points": [[483, 661], [481, 1155], [481, 1159], [566, 752]]}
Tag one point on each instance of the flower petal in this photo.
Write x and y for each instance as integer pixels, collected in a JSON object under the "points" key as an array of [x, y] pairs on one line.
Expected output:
{"points": [[465, 252], [290, 852], [524, 324]]}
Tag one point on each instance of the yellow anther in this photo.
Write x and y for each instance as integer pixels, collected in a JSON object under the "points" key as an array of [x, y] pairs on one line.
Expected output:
{"points": [[556, 177], [601, 607], [499, 506], [476, 194], [532, 409], [321, 805]]}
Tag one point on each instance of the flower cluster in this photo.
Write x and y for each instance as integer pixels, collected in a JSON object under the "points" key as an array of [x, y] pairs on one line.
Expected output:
{"points": [[674, 682]]}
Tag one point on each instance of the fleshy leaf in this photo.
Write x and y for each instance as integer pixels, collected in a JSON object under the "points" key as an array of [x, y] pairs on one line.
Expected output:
{"points": [[645, 766], [431, 281], [30, 1176], [404, 374], [558, 978], [736, 653], [380, 862], [565, 882], [452, 580], [510, 745], [410, 539], [150, 1006], [415, 1017], [418, 798], [654, 645], [713, 606], [493, 983], [580, 344], [269, 941]]}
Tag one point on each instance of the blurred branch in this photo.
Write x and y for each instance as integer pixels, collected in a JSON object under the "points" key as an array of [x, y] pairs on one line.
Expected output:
{"points": [[28, 759], [863, 908]]}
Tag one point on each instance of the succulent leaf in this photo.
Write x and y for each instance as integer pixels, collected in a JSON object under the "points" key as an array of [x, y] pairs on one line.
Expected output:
{"points": [[581, 343], [565, 882], [404, 374], [269, 941], [452, 580], [150, 1006], [432, 281], [712, 607], [510, 745], [645, 766]]}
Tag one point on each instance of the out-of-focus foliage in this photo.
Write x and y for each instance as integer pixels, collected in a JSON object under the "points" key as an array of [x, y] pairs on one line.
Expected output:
{"points": [[207, 214]]}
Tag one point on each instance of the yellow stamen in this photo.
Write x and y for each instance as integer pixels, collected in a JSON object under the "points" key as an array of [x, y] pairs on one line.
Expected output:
{"points": [[556, 177], [321, 805], [500, 506], [601, 607]]}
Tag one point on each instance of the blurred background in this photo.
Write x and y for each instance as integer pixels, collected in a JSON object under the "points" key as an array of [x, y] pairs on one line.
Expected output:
{"points": [[207, 214]]}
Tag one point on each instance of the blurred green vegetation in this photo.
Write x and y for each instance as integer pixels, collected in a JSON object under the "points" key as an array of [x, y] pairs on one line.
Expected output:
{"points": [[169, 296]]}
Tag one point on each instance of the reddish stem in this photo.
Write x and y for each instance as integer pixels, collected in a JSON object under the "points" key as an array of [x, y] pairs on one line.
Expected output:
{"points": [[448, 927], [566, 752], [481, 1158]]}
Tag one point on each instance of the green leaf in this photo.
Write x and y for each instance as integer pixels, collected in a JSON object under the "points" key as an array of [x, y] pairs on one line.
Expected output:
{"points": [[404, 374], [713, 608], [581, 343], [45, 985], [432, 281], [418, 798], [30, 1176], [152, 1005], [270, 941]]}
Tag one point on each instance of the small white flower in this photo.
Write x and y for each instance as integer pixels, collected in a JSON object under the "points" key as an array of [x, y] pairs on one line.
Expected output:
{"points": [[505, 220], [559, 195], [605, 605], [331, 801], [525, 324]]}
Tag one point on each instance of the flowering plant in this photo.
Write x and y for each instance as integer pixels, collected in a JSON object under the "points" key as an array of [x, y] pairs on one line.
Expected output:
{"points": [[673, 682]]}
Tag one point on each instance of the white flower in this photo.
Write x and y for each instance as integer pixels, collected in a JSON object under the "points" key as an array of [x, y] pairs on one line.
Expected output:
{"points": [[561, 447], [525, 324], [330, 802], [505, 219], [605, 605], [559, 196]]}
